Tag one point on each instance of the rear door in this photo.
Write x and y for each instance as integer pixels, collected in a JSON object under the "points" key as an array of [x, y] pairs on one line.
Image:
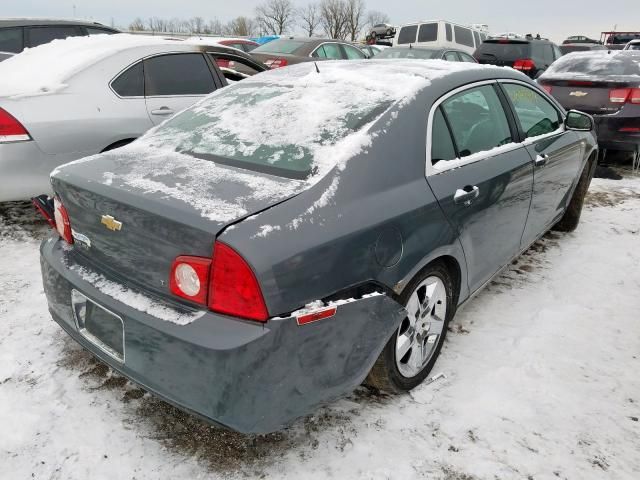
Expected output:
{"points": [[174, 82], [481, 176], [556, 154]]}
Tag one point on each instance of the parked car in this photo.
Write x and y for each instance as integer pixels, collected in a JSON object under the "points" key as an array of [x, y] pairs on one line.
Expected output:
{"points": [[289, 51], [248, 262], [606, 85], [439, 34], [529, 55], [617, 40], [427, 54], [80, 96], [632, 45], [579, 39], [580, 47], [16, 34], [370, 50], [382, 30]]}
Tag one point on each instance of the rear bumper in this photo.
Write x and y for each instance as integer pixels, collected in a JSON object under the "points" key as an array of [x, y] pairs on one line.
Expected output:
{"points": [[251, 377], [609, 129]]}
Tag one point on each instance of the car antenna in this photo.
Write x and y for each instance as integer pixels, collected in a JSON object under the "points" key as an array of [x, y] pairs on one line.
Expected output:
{"points": [[317, 69], [410, 45]]}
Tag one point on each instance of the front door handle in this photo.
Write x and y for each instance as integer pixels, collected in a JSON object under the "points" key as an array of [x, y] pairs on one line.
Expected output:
{"points": [[162, 111], [466, 195], [541, 160]]}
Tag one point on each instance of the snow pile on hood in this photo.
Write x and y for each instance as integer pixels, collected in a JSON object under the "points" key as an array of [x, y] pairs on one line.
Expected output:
{"points": [[46, 68], [611, 65]]}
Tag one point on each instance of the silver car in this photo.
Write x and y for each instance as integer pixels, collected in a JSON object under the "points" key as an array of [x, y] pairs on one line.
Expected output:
{"points": [[85, 95]]}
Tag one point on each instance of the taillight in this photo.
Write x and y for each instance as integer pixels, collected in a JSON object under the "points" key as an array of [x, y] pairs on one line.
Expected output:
{"points": [[276, 62], [189, 278], [234, 289], [222, 62], [625, 95], [11, 130], [63, 225], [547, 88], [524, 64]]}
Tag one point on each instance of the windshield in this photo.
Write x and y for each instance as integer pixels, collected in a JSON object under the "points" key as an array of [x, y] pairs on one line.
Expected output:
{"points": [[420, 53], [279, 46]]}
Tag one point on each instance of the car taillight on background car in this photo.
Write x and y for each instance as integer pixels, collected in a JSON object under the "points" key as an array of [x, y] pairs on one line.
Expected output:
{"points": [[547, 88], [63, 224], [11, 130], [226, 283], [276, 62], [524, 65], [625, 95]]}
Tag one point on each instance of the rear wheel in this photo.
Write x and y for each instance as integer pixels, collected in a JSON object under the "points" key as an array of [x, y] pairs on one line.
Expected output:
{"points": [[571, 218], [413, 349]]}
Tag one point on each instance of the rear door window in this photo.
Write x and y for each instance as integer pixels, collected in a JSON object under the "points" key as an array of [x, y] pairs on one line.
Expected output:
{"points": [[353, 53], [466, 58], [451, 57], [477, 120], [332, 50], [442, 148], [40, 35], [428, 32], [177, 74], [98, 31], [130, 83], [463, 36], [408, 34], [11, 40], [535, 113]]}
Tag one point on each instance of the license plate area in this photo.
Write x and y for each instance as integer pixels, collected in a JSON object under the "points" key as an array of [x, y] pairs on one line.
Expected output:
{"points": [[100, 326]]}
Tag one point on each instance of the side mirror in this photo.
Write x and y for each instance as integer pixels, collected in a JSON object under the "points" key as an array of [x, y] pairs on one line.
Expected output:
{"points": [[578, 121]]}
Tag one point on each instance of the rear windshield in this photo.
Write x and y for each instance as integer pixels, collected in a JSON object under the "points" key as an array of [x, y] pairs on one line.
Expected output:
{"points": [[224, 128], [404, 52], [508, 51], [598, 63], [279, 46]]}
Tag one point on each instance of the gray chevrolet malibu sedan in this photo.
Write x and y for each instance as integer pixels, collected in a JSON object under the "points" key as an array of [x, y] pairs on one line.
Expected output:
{"points": [[296, 234]]}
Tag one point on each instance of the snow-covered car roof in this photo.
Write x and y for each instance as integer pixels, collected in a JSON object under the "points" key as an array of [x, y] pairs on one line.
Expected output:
{"points": [[45, 68]]}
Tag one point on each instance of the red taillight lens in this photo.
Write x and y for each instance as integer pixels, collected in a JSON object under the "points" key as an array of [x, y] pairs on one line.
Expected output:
{"points": [[222, 62], [63, 225], [619, 95], [547, 88], [634, 97], [276, 62], [524, 64], [234, 289], [189, 278], [11, 130]]}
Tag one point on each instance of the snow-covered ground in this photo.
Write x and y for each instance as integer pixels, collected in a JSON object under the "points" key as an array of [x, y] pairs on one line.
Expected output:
{"points": [[542, 382]]}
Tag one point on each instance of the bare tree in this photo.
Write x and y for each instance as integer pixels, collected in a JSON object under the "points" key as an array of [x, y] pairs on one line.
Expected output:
{"points": [[354, 18], [309, 18], [196, 25], [240, 27], [137, 25], [214, 27], [374, 17], [275, 16], [333, 18]]}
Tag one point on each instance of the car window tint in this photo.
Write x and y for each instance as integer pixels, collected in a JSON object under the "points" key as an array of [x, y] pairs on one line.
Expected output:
{"points": [[408, 34], [442, 148], [39, 35], [177, 74], [332, 50], [451, 57], [248, 47], [476, 37], [466, 58], [11, 40], [280, 46], [536, 114], [477, 119], [428, 32], [463, 36], [353, 53], [130, 83], [448, 32], [319, 52], [98, 31], [233, 67]]}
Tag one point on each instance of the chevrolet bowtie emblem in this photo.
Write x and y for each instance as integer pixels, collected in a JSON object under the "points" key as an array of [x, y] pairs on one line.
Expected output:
{"points": [[111, 223], [578, 94]]}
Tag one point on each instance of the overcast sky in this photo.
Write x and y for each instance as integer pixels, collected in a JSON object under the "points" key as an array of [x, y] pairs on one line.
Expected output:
{"points": [[553, 18]]}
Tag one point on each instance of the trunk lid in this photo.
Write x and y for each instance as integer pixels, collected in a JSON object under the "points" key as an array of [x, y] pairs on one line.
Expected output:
{"points": [[131, 217], [587, 96]]}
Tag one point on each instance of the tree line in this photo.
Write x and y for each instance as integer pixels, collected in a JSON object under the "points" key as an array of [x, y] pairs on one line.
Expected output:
{"points": [[340, 19]]}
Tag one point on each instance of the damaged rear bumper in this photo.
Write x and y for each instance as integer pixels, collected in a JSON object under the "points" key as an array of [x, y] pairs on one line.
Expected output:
{"points": [[247, 376]]}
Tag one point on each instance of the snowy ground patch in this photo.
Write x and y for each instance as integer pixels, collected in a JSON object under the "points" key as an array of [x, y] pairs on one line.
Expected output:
{"points": [[541, 382]]}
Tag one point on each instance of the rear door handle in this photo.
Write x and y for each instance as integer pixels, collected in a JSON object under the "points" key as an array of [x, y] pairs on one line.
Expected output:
{"points": [[162, 111], [466, 195], [541, 160]]}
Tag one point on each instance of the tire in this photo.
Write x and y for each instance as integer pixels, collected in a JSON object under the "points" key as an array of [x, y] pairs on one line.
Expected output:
{"points": [[395, 375], [571, 218]]}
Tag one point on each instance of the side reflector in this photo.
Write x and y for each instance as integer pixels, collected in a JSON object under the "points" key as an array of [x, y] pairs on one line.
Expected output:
{"points": [[317, 315]]}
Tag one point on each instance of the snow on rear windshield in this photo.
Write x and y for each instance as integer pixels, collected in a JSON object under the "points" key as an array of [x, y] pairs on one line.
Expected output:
{"points": [[280, 46], [294, 122], [595, 64]]}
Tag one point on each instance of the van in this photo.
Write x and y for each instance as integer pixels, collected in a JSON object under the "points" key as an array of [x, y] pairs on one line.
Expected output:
{"points": [[439, 34]]}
